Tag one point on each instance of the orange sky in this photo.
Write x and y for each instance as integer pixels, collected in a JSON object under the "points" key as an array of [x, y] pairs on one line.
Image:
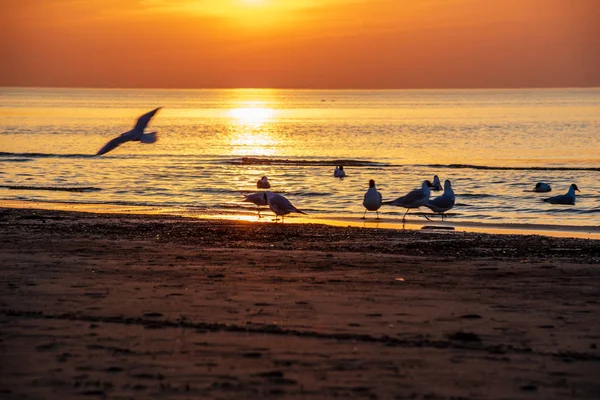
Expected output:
{"points": [[300, 43]]}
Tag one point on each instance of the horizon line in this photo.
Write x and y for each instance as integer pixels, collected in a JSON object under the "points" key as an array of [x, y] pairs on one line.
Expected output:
{"points": [[299, 88]]}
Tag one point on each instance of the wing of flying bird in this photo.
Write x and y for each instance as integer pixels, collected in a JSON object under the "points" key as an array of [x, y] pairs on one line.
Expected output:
{"points": [[143, 121], [148, 138], [119, 140]]}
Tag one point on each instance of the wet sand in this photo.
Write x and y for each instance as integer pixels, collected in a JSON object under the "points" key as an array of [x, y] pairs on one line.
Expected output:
{"points": [[141, 306]]}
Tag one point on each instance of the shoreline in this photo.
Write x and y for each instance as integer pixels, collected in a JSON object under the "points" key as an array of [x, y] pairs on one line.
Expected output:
{"points": [[159, 306], [559, 231]]}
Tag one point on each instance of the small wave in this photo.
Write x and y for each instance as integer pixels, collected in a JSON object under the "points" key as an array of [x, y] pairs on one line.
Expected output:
{"points": [[40, 155], [487, 167], [275, 161], [52, 188], [15, 159]]}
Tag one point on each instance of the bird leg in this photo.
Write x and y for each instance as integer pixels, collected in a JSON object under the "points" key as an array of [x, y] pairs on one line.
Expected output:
{"points": [[377, 214], [404, 217], [363, 217]]}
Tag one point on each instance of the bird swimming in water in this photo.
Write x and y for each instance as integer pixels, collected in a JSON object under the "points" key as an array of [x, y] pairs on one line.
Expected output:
{"points": [[567, 198], [542, 187], [339, 172], [372, 200], [259, 199], [436, 185], [280, 205], [263, 183], [444, 202], [414, 199], [135, 135]]}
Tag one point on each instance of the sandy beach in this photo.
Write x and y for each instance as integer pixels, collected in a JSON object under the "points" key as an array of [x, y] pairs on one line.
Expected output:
{"points": [[141, 306]]}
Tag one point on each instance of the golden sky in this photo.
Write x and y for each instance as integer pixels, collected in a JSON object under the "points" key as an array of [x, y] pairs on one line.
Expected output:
{"points": [[300, 43]]}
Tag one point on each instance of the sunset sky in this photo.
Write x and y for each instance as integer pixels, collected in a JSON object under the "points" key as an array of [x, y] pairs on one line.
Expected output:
{"points": [[300, 43]]}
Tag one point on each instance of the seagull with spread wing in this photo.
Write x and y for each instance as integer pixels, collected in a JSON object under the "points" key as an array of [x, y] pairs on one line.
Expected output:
{"points": [[135, 135], [414, 199]]}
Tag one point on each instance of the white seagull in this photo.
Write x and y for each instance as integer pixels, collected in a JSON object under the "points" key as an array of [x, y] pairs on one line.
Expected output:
{"points": [[568, 198], [436, 185], [280, 205], [372, 200], [136, 134], [414, 199], [542, 187], [263, 183], [339, 172], [444, 202], [259, 199]]}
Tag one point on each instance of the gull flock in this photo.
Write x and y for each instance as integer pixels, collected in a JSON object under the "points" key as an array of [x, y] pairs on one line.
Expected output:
{"points": [[372, 200]]}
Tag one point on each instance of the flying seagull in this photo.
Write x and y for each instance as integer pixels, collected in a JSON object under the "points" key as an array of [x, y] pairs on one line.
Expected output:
{"points": [[568, 198], [136, 134]]}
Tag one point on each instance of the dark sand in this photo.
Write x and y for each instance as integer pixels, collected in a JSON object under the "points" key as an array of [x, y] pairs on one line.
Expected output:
{"points": [[119, 307]]}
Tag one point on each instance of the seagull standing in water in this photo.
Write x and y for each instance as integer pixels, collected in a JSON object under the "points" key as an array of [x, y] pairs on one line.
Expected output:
{"points": [[542, 187], [339, 172], [436, 185], [135, 135], [263, 183], [279, 205], [568, 198], [372, 200], [444, 202], [414, 199], [259, 199]]}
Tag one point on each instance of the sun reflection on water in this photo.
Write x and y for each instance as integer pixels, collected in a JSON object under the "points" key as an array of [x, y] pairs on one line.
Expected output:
{"points": [[251, 134], [255, 116]]}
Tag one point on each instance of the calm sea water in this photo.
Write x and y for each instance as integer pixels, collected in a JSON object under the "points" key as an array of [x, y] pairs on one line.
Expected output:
{"points": [[214, 144]]}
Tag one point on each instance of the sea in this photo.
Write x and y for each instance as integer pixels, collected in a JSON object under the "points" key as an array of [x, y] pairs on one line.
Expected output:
{"points": [[213, 145]]}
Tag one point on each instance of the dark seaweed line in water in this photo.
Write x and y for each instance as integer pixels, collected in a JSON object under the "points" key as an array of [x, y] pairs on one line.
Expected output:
{"points": [[485, 167], [51, 188], [44, 155], [460, 340], [274, 161]]}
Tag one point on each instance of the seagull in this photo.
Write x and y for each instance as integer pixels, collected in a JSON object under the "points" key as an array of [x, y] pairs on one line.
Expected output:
{"points": [[436, 185], [136, 134], [279, 205], [263, 183], [444, 202], [414, 199], [568, 198], [372, 200], [339, 172], [542, 187], [258, 199]]}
